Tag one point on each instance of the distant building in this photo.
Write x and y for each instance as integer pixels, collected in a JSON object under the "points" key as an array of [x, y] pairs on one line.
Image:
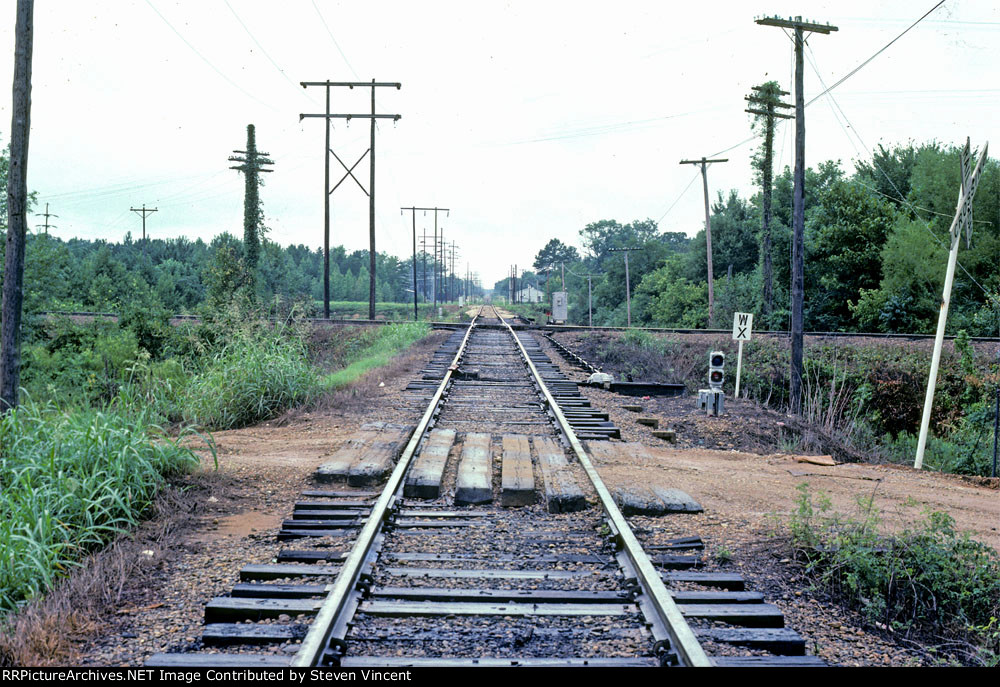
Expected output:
{"points": [[530, 294]]}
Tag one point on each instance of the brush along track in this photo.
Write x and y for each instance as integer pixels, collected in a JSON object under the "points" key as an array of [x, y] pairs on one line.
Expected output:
{"points": [[493, 542]]}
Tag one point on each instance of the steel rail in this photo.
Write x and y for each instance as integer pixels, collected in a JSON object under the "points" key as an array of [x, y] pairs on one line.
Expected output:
{"points": [[330, 614], [685, 643]]}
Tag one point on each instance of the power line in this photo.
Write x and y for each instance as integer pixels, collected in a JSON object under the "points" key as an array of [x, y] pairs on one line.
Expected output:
{"points": [[335, 43], [678, 199], [906, 202], [206, 61], [879, 52], [269, 58]]}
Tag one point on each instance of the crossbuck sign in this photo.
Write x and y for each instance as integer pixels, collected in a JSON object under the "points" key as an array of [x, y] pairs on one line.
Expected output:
{"points": [[742, 326]]}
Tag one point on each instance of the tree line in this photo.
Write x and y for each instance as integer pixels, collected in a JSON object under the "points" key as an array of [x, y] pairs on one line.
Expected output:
{"points": [[876, 244]]}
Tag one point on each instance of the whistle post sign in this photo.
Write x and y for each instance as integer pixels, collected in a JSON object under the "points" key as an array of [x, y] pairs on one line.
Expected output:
{"points": [[742, 326]]}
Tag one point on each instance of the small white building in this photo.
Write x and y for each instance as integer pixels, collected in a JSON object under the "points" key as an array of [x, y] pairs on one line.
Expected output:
{"points": [[530, 294]]}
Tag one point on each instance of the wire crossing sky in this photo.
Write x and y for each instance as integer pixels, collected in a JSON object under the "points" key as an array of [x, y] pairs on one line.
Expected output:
{"points": [[530, 120]]}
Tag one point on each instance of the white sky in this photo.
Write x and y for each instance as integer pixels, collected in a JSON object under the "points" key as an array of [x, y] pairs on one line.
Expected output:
{"points": [[528, 119]]}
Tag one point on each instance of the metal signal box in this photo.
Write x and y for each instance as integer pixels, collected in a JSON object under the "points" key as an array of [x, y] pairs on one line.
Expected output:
{"points": [[560, 307]]}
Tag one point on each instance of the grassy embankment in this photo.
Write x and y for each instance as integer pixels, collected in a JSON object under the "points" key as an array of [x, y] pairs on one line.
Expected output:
{"points": [[84, 461]]}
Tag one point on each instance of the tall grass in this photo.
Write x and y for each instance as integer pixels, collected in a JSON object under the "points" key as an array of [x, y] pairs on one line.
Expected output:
{"points": [[258, 374], [70, 481], [391, 339]]}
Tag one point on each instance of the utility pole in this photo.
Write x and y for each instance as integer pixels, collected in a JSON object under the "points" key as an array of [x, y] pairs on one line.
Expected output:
{"points": [[628, 288], [708, 230], [962, 221], [438, 266], [252, 164], [370, 192], [762, 103], [798, 200], [46, 215], [590, 306], [17, 209], [413, 210], [143, 211]]}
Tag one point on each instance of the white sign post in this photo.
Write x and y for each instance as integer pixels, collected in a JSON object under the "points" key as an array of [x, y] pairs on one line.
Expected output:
{"points": [[742, 326]]}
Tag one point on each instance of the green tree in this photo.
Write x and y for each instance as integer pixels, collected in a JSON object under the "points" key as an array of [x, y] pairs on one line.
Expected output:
{"points": [[848, 231]]}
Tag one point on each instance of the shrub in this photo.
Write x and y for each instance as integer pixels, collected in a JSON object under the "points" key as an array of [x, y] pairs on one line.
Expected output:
{"points": [[927, 579]]}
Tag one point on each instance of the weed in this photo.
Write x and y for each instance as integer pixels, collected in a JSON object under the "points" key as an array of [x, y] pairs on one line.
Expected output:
{"points": [[929, 579]]}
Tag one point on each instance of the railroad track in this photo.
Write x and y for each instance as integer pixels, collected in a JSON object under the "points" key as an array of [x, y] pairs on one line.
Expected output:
{"points": [[493, 542]]}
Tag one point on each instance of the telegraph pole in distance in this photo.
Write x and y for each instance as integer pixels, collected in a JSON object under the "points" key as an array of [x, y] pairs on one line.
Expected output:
{"points": [[143, 211], [628, 296], [798, 200], [46, 215], [413, 210], [370, 192], [708, 230]]}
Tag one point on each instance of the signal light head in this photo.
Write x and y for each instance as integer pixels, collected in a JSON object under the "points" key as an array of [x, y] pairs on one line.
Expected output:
{"points": [[716, 373]]}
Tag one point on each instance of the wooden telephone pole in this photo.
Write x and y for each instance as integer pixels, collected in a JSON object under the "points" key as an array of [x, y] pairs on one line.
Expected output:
{"points": [[798, 199], [17, 209], [46, 215], [143, 211], [628, 288], [763, 102], [413, 211], [708, 230], [370, 192]]}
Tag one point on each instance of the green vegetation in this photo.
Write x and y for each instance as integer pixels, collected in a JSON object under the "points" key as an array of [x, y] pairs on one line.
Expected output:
{"points": [[928, 580], [868, 395], [84, 459], [70, 481], [387, 342], [260, 372], [875, 254]]}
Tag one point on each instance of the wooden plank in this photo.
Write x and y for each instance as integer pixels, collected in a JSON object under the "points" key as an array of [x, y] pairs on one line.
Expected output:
{"points": [[224, 609], [228, 634], [747, 615], [731, 581], [424, 478], [776, 640], [769, 662], [328, 494], [249, 590], [430, 608], [277, 571], [478, 558], [312, 556], [475, 474], [705, 597], [493, 574], [498, 595], [562, 493], [517, 483], [676, 501], [380, 456], [425, 662], [218, 661], [338, 466]]}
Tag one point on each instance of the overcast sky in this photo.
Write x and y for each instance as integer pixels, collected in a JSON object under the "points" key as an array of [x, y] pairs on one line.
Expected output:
{"points": [[527, 119]]}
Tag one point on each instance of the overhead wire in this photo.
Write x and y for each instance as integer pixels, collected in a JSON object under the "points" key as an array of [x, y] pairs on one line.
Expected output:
{"points": [[905, 201], [209, 63], [270, 59]]}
